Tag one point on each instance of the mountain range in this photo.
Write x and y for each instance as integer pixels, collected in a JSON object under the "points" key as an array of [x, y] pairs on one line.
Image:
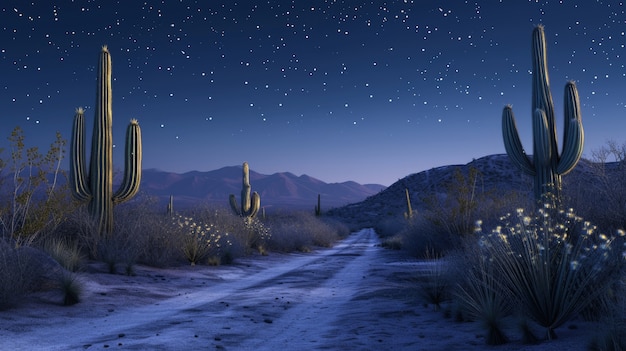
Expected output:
{"points": [[278, 190]]}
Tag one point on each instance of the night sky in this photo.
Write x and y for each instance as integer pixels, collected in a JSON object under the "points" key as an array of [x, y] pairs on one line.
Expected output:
{"points": [[338, 90]]}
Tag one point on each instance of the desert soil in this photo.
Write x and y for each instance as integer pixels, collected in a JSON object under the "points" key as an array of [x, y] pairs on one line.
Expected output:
{"points": [[354, 296]]}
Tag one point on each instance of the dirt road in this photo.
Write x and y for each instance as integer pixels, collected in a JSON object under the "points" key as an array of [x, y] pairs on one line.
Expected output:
{"points": [[330, 299], [355, 296]]}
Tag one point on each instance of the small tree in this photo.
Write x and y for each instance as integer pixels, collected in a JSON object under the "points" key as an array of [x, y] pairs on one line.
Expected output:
{"points": [[455, 211], [33, 201]]}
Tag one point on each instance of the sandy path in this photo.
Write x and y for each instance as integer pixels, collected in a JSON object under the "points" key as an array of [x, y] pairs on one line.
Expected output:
{"points": [[354, 296]]}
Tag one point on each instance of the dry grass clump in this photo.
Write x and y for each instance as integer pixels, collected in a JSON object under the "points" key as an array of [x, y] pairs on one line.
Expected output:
{"points": [[68, 255], [71, 287], [481, 296], [434, 280]]}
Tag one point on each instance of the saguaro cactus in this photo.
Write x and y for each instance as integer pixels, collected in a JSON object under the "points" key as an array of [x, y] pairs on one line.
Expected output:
{"points": [[97, 187], [249, 204], [547, 166]]}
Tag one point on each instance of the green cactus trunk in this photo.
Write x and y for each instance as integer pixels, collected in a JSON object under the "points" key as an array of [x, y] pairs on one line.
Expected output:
{"points": [[409, 210], [547, 166], [97, 187], [249, 204], [170, 206]]}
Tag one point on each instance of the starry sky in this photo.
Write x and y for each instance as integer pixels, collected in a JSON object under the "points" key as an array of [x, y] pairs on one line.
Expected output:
{"points": [[338, 90]]}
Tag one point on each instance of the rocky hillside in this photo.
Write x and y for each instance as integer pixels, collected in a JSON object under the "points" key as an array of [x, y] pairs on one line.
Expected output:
{"points": [[497, 174]]}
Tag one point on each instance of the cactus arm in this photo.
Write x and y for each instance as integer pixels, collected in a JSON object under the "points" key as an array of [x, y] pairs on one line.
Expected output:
{"points": [[573, 135], [245, 189], [78, 180], [512, 142], [255, 206], [233, 204], [132, 169], [541, 95]]}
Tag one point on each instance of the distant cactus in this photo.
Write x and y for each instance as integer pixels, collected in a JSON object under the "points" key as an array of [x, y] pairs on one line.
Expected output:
{"points": [[97, 187], [409, 210], [170, 206], [249, 204], [318, 207], [547, 165]]}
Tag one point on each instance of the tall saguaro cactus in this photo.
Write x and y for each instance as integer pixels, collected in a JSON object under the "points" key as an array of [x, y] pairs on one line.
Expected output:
{"points": [[249, 204], [96, 188], [547, 166]]}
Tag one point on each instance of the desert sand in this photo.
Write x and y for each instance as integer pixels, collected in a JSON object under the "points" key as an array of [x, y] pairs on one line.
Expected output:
{"points": [[354, 296]]}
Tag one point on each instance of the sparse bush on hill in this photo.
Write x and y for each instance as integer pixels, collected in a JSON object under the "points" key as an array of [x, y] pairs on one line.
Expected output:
{"points": [[604, 198], [449, 214]]}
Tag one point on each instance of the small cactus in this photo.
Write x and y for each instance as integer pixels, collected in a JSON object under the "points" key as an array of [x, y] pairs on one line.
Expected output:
{"points": [[547, 166], [170, 206], [409, 210], [318, 207], [250, 205]]}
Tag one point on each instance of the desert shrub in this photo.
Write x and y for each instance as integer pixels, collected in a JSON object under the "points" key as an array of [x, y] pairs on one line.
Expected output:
{"points": [[33, 203], [14, 276], [463, 199], [200, 241], [239, 235], [480, 294], [420, 236], [140, 235], [434, 280], [390, 226], [301, 231], [553, 264], [600, 192]]}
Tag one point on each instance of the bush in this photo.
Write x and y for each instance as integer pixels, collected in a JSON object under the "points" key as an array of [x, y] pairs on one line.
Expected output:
{"points": [[14, 273], [553, 264], [33, 203], [301, 231], [420, 236], [434, 280], [200, 241], [481, 296]]}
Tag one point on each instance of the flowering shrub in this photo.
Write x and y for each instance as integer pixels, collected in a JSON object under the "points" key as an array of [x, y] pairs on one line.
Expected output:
{"points": [[200, 240], [256, 234], [553, 264]]}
